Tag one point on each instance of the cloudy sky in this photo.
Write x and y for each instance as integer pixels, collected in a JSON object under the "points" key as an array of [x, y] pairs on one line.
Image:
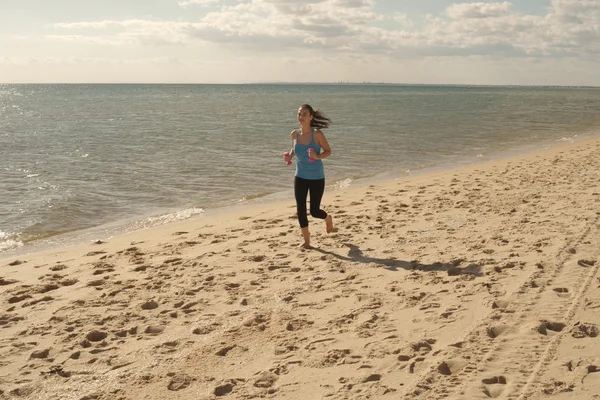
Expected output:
{"points": [[539, 42]]}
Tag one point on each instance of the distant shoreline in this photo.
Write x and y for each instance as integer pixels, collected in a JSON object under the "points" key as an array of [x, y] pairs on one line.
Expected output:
{"points": [[456, 85]]}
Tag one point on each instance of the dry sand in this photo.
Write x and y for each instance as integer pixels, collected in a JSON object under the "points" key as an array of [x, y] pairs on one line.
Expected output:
{"points": [[475, 283]]}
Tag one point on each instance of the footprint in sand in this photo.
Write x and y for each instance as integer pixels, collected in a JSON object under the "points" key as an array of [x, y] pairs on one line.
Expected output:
{"points": [[334, 357], [149, 305], [286, 347], [46, 288], [586, 263], [18, 298], [421, 348], [590, 370], [8, 320], [179, 382], [5, 282], [496, 330], [96, 336], [297, 324], [224, 351], [266, 380], [416, 365], [154, 329], [548, 327], [585, 330], [424, 346], [259, 321], [95, 253], [205, 329], [555, 387], [451, 367], [40, 354], [69, 282], [256, 258], [224, 389], [493, 387], [102, 268], [24, 391], [500, 304], [562, 292], [429, 306], [538, 283]]}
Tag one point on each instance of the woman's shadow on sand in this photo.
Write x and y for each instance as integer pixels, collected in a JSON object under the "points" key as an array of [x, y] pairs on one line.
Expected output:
{"points": [[355, 254]]}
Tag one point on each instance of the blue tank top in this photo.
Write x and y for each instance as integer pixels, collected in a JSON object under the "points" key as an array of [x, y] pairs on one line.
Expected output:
{"points": [[304, 168]]}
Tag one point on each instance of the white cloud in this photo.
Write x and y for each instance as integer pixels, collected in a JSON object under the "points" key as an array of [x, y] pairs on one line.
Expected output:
{"points": [[403, 19], [204, 3], [73, 61], [128, 32], [315, 40], [88, 25], [97, 40], [570, 28], [478, 10]]}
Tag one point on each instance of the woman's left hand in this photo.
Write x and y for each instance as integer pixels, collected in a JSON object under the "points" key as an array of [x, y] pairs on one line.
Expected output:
{"points": [[313, 154]]}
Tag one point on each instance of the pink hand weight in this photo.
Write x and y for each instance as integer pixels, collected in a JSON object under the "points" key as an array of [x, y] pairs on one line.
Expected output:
{"points": [[289, 162], [310, 159]]}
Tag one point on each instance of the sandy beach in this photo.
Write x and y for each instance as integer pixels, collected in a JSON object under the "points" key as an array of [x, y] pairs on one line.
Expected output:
{"points": [[475, 283]]}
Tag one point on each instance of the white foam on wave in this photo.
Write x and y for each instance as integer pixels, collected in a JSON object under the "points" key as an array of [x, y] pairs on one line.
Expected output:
{"points": [[8, 244], [565, 139], [171, 217], [343, 184]]}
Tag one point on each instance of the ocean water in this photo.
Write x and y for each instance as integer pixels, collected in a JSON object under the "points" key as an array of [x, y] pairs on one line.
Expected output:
{"points": [[75, 158]]}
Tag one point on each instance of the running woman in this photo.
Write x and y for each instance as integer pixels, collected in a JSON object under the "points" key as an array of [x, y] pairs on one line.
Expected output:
{"points": [[310, 146]]}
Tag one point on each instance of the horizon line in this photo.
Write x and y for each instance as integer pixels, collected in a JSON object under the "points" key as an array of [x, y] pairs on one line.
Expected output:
{"points": [[337, 83]]}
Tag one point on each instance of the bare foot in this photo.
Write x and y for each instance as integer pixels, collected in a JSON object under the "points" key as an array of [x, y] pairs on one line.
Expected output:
{"points": [[305, 246], [329, 223]]}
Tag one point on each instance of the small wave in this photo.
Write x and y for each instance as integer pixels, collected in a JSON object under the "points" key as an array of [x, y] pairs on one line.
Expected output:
{"points": [[240, 200], [171, 217], [343, 184], [565, 139], [10, 245], [246, 198], [7, 242]]}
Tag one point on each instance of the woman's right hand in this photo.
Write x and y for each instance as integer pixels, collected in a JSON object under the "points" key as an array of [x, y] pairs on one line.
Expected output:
{"points": [[286, 157]]}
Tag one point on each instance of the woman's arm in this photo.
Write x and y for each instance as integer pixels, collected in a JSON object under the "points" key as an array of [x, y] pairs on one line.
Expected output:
{"points": [[287, 157], [293, 137], [322, 141]]}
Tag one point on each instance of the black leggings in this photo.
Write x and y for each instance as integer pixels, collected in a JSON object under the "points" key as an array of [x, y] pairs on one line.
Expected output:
{"points": [[301, 189]]}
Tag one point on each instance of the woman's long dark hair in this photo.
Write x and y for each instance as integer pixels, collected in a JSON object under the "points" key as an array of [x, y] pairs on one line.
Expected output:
{"points": [[319, 120]]}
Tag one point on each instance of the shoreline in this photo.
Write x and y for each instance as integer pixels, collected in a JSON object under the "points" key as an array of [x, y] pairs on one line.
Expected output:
{"points": [[476, 282], [141, 223]]}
